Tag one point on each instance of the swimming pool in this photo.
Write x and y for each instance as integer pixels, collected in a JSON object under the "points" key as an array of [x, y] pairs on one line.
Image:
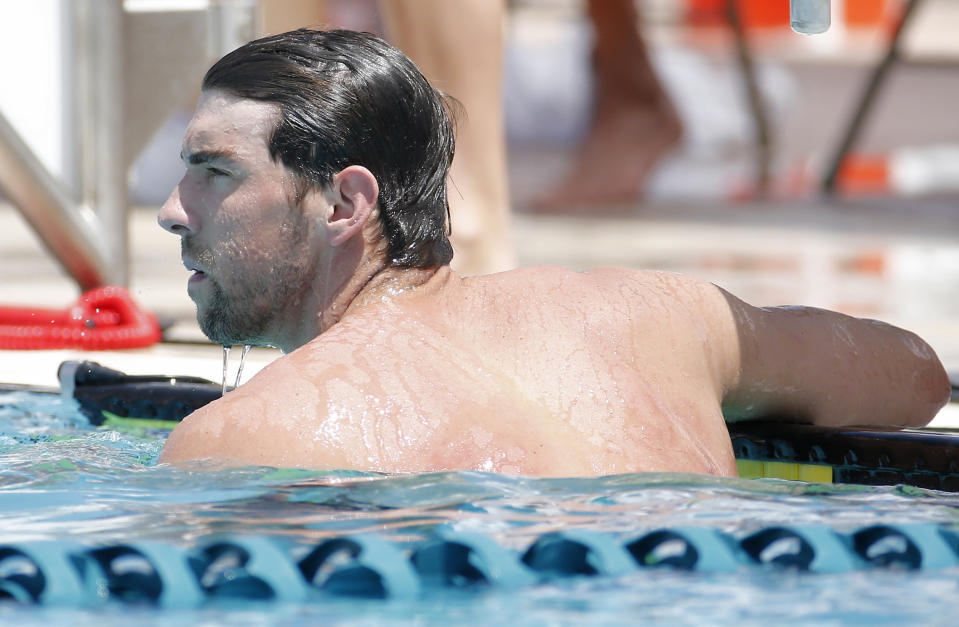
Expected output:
{"points": [[63, 480]]}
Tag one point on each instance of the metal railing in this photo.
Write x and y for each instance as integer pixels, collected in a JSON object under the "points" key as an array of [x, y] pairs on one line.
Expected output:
{"points": [[86, 231]]}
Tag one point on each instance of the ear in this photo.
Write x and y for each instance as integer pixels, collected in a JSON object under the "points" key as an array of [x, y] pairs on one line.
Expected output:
{"points": [[353, 194]]}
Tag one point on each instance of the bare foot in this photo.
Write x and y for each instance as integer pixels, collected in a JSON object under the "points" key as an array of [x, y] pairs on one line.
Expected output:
{"points": [[624, 144], [634, 123]]}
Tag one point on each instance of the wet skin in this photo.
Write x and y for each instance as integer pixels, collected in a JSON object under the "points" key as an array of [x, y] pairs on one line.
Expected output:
{"points": [[537, 371]]}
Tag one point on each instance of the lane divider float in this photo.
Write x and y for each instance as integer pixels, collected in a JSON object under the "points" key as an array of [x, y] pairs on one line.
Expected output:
{"points": [[237, 568]]}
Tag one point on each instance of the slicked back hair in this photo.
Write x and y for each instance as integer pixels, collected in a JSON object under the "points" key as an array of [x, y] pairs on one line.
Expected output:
{"points": [[349, 98]]}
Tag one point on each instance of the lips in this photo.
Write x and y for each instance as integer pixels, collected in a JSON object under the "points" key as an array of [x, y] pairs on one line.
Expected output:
{"points": [[192, 265], [199, 274]]}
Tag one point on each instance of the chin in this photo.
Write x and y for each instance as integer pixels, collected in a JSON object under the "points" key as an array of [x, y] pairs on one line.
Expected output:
{"points": [[224, 328]]}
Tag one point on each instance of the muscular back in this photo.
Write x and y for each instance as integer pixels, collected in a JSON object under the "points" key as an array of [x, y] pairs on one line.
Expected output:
{"points": [[550, 372], [541, 371]]}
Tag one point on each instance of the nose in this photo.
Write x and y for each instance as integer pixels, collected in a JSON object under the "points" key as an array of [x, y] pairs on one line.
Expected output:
{"points": [[173, 217]]}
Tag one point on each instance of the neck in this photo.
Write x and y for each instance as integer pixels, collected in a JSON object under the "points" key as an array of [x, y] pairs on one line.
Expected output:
{"points": [[373, 281]]}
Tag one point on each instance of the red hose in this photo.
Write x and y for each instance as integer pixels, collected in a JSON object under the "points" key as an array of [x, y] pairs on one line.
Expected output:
{"points": [[104, 318]]}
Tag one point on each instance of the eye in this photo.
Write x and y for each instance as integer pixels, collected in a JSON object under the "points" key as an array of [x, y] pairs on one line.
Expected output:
{"points": [[216, 172]]}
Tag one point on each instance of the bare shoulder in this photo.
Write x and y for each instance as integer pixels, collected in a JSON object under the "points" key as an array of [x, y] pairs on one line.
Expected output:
{"points": [[676, 318], [664, 287], [677, 287], [667, 298], [658, 305], [244, 427], [212, 433]]}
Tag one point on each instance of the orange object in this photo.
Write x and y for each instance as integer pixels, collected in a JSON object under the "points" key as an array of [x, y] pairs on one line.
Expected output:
{"points": [[859, 13], [705, 12], [864, 174], [754, 13], [873, 263], [764, 14]]}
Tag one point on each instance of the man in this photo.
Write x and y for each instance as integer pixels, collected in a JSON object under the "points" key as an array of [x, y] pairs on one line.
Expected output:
{"points": [[313, 215]]}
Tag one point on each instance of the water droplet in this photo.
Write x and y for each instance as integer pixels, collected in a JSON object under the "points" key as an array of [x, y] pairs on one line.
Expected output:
{"points": [[239, 372], [226, 363]]}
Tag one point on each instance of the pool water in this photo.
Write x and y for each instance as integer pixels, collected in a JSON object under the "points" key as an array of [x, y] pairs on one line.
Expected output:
{"points": [[61, 479]]}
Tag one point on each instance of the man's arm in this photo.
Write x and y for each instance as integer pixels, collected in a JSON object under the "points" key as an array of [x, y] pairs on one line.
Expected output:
{"points": [[822, 367]]}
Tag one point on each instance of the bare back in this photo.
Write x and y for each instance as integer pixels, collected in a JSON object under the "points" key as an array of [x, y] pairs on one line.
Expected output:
{"points": [[540, 371], [550, 372]]}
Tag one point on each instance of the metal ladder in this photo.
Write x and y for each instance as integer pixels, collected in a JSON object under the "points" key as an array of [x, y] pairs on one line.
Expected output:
{"points": [[133, 62]]}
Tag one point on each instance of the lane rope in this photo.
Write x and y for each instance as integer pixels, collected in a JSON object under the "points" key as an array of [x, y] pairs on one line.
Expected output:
{"points": [[249, 568]]}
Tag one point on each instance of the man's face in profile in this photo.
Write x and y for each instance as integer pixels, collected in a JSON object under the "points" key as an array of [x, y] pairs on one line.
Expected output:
{"points": [[242, 233]]}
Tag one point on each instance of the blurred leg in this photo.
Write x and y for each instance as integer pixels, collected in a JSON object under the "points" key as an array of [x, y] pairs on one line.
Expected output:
{"points": [[634, 123], [458, 45], [279, 16]]}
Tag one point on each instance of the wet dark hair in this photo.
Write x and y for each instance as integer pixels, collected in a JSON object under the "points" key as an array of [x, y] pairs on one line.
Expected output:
{"points": [[349, 98]]}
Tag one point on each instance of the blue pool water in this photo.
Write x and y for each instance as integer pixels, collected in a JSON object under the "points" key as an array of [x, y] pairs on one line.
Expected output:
{"points": [[61, 479]]}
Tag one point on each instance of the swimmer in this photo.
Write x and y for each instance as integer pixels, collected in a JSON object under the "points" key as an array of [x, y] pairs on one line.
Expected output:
{"points": [[313, 215]]}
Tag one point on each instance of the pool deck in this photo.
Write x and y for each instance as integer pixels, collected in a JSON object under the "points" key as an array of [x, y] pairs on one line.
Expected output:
{"points": [[890, 259]]}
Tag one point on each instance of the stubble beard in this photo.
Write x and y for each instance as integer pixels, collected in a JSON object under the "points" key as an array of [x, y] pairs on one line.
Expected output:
{"points": [[253, 301], [254, 305], [233, 321]]}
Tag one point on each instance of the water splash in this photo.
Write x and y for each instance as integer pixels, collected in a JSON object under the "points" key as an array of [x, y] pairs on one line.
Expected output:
{"points": [[226, 367], [239, 372], [226, 364]]}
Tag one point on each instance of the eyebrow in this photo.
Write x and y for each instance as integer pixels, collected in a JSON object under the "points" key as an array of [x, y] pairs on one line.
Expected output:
{"points": [[208, 156]]}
